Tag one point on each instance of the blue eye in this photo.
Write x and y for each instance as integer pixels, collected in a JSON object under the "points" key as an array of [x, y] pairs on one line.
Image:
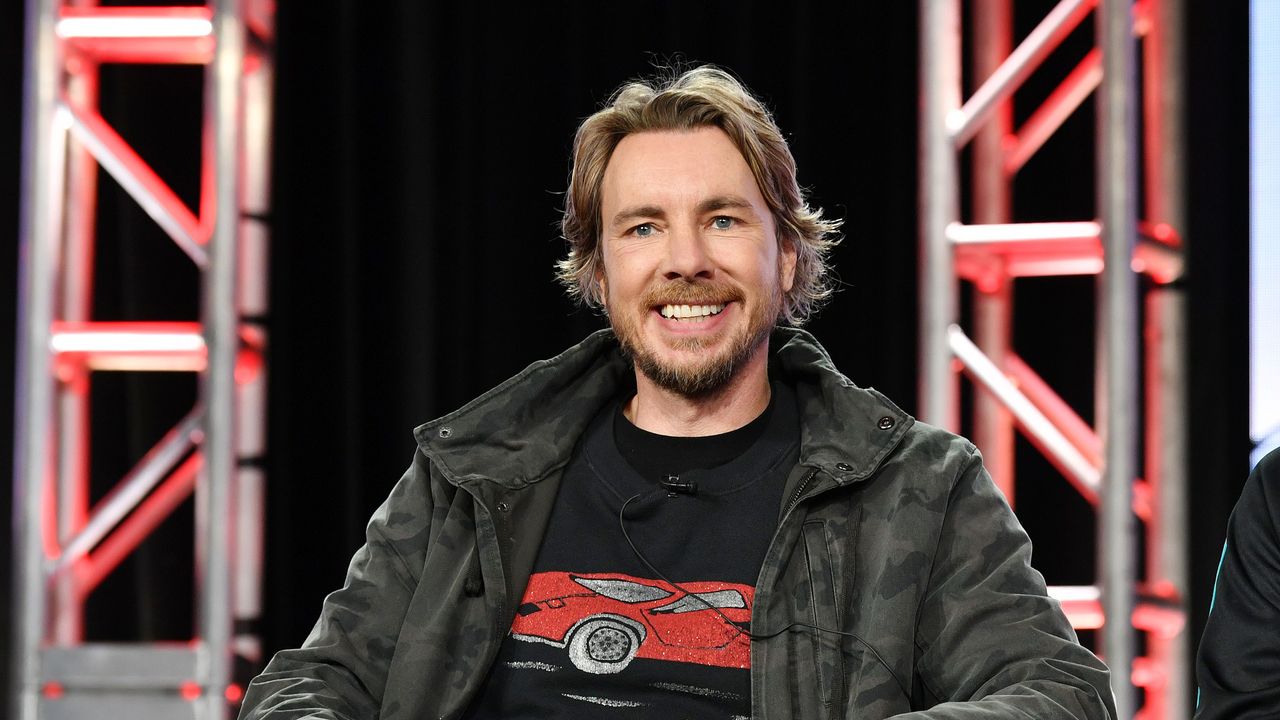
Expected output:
{"points": [[722, 223], [644, 230]]}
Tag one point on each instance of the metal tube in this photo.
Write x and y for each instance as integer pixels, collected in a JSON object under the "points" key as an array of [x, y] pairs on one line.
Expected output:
{"points": [[992, 423], [254, 303], [73, 427], [1054, 111], [135, 528], [1022, 232], [141, 182], [132, 489], [1166, 342], [1006, 79], [993, 301], [39, 228], [66, 610], [215, 498], [1163, 537], [1065, 247], [141, 51], [161, 346], [1056, 409], [1076, 430], [1117, 188], [1080, 605], [939, 206], [1152, 613], [88, 21], [1083, 475]]}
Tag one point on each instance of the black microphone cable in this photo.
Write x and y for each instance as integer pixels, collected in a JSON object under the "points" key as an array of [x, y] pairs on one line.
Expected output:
{"points": [[737, 625]]}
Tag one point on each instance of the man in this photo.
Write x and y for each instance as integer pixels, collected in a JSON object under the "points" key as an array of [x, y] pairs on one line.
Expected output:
{"points": [[1238, 665], [693, 514]]}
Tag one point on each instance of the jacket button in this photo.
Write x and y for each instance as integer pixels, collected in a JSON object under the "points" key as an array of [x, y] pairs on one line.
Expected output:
{"points": [[845, 467], [445, 432], [503, 507], [473, 587], [885, 423]]}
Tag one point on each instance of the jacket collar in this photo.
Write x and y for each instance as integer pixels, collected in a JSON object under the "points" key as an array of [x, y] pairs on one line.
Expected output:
{"points": [[527, 427], [845, 430]]}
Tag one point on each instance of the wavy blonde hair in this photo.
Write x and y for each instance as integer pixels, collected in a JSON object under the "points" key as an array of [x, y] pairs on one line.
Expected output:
{"points": [[705, 96]]}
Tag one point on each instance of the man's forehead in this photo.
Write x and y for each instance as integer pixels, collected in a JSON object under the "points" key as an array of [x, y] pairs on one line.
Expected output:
{"points": [[665, 145], [700, 166]]}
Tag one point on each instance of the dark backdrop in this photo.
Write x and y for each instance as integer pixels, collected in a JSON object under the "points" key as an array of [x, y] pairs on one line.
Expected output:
{"points": [[420, 154]]}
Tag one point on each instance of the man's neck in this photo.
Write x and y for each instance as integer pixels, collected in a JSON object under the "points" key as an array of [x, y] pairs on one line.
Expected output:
{"points": [[741, 400]]}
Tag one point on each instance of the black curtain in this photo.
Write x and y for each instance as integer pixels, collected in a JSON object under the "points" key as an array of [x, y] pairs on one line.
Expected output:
{"points": [[420, 154]]}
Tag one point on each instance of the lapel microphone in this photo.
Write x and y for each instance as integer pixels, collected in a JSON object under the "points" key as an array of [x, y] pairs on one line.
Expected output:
{"points": [[675, 486]]}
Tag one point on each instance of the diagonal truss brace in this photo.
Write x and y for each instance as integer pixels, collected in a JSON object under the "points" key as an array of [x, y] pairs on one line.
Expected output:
{"points": [[139, 180]]}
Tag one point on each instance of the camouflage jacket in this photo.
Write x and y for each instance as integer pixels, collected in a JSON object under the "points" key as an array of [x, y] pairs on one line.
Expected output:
{"points": [[890, 531]]}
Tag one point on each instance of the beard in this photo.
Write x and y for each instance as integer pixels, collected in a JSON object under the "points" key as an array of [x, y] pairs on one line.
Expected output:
{"points": [[713, 370]]}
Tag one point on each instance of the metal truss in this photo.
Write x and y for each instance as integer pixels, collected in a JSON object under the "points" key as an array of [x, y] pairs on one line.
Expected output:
{"points": [[991, 250], [63, 548]]}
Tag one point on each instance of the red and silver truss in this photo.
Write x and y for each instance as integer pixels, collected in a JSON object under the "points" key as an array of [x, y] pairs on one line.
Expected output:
{"points": [[1103, 464], [64, 547]]}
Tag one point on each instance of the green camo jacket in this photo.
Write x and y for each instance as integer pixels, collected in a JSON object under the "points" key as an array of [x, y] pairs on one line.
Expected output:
{"points": [[890, 531]]}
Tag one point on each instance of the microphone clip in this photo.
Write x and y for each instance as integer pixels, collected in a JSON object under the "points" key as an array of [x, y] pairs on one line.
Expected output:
{"points": [[675, 486]]}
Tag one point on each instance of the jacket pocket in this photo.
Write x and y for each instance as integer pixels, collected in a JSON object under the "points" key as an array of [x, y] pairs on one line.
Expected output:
{"points": [[828, 659]]}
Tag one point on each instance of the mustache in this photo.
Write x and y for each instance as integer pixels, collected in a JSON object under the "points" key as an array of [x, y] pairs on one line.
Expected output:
{"points": [[680, 292]]}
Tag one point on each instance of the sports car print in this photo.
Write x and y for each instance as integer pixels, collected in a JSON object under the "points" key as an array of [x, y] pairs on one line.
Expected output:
{"points": [[607, 620]]}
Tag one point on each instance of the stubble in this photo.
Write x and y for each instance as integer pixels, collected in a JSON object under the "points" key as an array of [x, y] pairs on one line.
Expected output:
{"points": [[704, 377]]}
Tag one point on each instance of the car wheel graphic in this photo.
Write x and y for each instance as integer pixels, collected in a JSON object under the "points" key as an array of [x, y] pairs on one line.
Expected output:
{"points": [[603, 646]]}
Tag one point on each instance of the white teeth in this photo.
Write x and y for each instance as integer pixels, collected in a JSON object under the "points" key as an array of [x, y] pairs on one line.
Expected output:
{"points": [[696, 312]]}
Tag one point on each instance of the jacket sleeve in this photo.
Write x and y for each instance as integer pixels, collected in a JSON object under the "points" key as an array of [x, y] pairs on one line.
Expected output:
{"points": [[1238, 665], [340, 672], [990, 643]]}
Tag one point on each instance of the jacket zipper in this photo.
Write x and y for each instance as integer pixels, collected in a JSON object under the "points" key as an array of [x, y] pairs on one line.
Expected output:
{"points": [[756, 692], [795, 497]]}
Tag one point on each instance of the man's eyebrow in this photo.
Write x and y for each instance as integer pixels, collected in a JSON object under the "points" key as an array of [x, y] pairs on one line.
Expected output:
{"points": [[711, 204], [723, 202], [640, 211]]}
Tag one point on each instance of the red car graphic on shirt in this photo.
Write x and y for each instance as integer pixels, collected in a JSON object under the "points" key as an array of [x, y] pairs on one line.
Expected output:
{"points": [[607, 620]]}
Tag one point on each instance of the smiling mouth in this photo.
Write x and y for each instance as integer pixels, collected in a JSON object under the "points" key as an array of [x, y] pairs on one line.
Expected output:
{"points": [[691, 313]]}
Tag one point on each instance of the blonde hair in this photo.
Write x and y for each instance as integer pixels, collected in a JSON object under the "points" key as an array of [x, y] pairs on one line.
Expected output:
{"points": [[705, 96]]}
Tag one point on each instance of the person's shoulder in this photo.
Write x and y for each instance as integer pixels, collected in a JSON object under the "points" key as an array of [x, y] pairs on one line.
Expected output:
{"points": [[924, 442], [1268, 468], [930, 460], [1262, 489], [594, 360]]}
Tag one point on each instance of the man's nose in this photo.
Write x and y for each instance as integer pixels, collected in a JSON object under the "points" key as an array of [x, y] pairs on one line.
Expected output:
{"points": [[688, 256]]}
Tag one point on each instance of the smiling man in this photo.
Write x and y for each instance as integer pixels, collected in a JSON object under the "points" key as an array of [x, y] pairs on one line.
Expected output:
{"points": [[692, 514], [693, 278]]}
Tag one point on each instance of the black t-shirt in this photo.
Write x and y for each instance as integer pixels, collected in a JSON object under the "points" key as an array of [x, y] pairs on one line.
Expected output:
{"points": [[656, 456], [601, 633]]}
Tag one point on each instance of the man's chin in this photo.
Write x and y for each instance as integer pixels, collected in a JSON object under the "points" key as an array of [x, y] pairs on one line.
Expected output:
{"points": [[691, 380], [695, 368]]}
